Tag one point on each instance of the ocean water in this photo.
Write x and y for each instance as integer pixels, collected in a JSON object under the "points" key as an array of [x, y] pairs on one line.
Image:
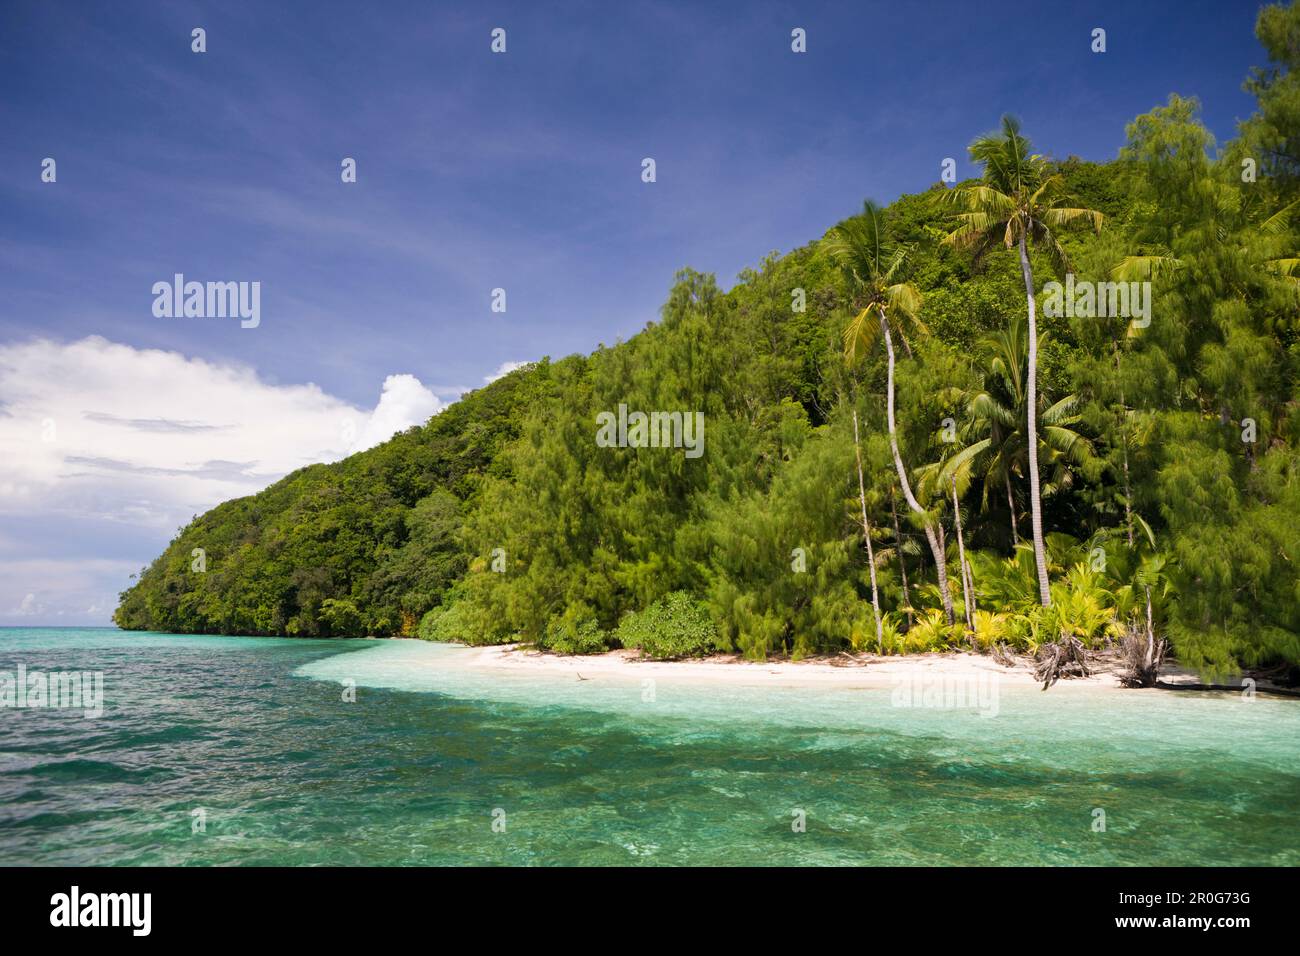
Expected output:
{"points": [[261, 751]]}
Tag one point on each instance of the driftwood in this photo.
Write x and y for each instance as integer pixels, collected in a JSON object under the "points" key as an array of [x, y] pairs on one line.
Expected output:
{"points": [[850, 660], [1066, 657], [1003, 655], [1142, 653]]}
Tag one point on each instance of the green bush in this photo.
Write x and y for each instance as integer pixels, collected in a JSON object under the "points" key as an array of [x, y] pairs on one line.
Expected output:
{"points": [[428, 629], [677, 626], [447, 622], [931, 632], [341, 618], [863, 639], [576, 632]]}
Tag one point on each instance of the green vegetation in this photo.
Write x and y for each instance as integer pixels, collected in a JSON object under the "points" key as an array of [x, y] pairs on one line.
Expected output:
{"points": [[1029, 475], [676, 626]]}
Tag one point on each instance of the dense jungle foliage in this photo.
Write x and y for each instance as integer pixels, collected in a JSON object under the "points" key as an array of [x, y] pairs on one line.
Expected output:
{"points": [[1161, 461]]}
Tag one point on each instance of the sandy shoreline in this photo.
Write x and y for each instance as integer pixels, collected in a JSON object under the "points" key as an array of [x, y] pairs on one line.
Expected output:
{"points": [[844, 670], [866, 670]]}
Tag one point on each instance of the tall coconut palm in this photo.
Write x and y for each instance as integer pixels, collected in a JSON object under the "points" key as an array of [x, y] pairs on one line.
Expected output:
{"points": [[873, 267], [866, 535], [997, 426], [900, 548], [1018, 201]]}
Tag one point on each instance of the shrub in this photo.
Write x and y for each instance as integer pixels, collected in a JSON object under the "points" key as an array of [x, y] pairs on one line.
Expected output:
{"points": [[863, 637], [991, 628], [438, 624], [932, 632], [341, 618], [460, 622], [676, 626], [576, 632]]}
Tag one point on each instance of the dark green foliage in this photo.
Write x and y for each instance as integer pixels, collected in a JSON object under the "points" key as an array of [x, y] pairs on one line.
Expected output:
{"points": [[575, 632], [377, 530], [676, 626]]}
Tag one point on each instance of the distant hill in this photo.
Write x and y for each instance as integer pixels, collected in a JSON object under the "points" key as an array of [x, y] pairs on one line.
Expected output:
{"points": [[504, 518]]}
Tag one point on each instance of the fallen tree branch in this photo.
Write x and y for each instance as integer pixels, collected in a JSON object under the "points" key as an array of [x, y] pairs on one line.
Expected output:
{"points": [[1066, 657]]}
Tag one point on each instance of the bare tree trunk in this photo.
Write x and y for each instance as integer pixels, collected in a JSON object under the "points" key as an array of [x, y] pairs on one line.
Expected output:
{"points": [[1011, 504], [1151, 635], [920, 564], [940, 545], [1035, 494], [974, 598], [866, 533], [961, 558], [940, 562], [902, 563]]}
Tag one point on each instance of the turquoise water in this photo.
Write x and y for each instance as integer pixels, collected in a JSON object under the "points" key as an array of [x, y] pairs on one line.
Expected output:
{"points": [[256, 733]]}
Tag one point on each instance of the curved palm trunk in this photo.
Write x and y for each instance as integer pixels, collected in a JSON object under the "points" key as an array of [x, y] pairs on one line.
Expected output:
{"points": [[866, 533], [936, 546], [961, 558], [1151, 632], [1035, 496], [902, 562]]}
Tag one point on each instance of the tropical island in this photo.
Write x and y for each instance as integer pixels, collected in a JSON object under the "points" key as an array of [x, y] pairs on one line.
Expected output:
{"points": [[1043, 413]]}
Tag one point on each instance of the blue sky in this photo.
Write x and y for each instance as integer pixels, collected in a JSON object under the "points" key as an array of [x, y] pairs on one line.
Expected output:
{"points": [[475, 171]]}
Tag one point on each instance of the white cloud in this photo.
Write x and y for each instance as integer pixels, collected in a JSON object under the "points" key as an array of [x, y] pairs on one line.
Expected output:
{"points": [[403, 403], [505, 368], [97, 429]]}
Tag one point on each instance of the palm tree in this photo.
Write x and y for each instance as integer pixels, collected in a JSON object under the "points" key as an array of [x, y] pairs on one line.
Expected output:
{"points": [[938, 480], [999, 414], [872, 265], [1019, 200], [866, 534], [901, 547]]}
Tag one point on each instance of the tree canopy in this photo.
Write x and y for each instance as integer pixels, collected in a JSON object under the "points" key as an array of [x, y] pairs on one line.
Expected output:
{"points": [[1169, 446]]}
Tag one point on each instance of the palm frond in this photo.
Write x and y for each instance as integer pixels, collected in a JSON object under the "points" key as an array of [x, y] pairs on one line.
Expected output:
{"points": [[1069, 443], [1285, 268], [972, 226], [1056, 253], [1280, 222], [984, 199], [1144, 268], [1061, 216], [860, 335], [985, 407], [904, 299], [959, 465], [1060, 411]]}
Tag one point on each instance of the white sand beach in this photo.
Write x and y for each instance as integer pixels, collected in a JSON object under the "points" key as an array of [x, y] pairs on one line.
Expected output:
{"points": [[843, 671]]}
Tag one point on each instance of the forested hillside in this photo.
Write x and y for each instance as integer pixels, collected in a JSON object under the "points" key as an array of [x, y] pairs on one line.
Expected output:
{"points": [[1159, 463]]}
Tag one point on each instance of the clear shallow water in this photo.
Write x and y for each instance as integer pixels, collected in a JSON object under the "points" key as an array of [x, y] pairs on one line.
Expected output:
{"points": [[255, 732]]}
